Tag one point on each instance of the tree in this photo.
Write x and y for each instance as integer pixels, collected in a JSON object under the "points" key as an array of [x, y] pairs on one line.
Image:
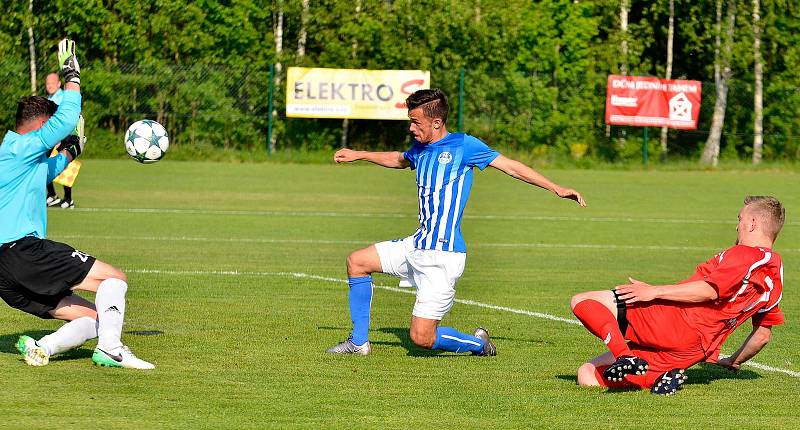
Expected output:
{"points": [[668, 74], [301, 41], [32, 47], [354, 56], [278, 29], [623, 67], [758, 93], [722, 73]]}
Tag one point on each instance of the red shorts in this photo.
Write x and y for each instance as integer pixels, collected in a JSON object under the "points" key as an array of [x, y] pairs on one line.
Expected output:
{"points": [[660, 335]]}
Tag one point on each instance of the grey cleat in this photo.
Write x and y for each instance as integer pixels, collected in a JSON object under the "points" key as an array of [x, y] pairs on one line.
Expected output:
{"points": [[488, 347], [348, 347]]}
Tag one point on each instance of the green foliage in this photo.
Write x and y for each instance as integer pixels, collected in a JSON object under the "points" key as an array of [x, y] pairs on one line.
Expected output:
{"points": [[535, 71]]}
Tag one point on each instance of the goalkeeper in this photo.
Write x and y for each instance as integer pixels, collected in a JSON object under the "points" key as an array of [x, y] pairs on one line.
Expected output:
{"points": [[37, 275]]}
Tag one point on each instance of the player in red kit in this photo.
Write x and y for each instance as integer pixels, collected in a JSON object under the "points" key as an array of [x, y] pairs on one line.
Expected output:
{"points": [[655, 332]]}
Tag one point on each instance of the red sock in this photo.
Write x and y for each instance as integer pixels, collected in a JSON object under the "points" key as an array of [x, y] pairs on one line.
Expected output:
{"points": [[601, 322]]}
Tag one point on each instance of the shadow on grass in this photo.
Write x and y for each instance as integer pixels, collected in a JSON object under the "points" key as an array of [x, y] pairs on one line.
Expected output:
{"points": [[8, 345], [704, 373], [405, 342], [403, 337], [8, 342], [415, 351]]}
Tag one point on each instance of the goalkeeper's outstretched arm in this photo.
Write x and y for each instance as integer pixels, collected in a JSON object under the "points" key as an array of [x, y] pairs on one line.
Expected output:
{"points": [[68, 114]]}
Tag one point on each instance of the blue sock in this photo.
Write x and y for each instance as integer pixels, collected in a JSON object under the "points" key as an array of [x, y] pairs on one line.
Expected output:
{"points": [[449, 339], [360, 298]]}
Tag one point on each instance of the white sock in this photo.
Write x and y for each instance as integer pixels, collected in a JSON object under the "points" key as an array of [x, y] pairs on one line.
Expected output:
{"points": [[71, 335], [110, 303]]}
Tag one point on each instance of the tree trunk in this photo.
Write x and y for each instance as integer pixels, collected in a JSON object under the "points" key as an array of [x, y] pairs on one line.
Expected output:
{"points": [[722, 72], [668, 75], [623, 67], [345, 132], [353, 55], [32, 48], [623, 27], [758, 91], [301, 40], [278, 51]]}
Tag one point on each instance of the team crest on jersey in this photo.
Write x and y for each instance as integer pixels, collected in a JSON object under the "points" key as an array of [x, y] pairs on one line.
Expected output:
{"points": [[445, 157]]}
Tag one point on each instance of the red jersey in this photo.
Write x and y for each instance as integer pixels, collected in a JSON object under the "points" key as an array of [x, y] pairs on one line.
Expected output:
{"points": [[749, 282]]}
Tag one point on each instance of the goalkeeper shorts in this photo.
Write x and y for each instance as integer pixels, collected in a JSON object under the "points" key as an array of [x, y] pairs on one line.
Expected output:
{"points": [[36, 274]]}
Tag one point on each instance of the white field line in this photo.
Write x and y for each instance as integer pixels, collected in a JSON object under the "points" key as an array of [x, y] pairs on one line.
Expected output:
{"points": [[409, 215], [409, 291], [362, 242]]}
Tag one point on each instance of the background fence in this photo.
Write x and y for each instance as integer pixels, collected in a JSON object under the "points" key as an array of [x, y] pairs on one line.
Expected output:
{"points": [[224, 107]]}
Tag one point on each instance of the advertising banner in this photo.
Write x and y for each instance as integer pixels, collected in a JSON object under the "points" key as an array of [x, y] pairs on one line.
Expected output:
{"points": [[351, 93], [652, 102]]}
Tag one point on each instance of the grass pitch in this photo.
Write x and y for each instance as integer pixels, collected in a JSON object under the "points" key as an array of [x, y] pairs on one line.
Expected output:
{"points": [[237, 287]]}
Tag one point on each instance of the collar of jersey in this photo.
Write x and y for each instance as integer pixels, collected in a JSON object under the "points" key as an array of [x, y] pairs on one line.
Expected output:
{"points": [[442, 140]]}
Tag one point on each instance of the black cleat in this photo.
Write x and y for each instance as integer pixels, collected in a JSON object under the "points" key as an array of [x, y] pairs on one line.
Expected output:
{"points": [[624, 366], [488, 347], [670, 382]]}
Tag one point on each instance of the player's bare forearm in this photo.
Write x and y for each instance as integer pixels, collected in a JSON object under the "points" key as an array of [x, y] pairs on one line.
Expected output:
{"points": [[754, 343], [689, 292], [393, 160], [71, 86], [524, 173]]}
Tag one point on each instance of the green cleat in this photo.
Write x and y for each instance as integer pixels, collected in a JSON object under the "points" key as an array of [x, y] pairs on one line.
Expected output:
{"points": [[34, 354], [123, 357]]}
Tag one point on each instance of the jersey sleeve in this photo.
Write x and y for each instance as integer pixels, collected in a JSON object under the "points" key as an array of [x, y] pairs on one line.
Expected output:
{"points": [[769, 318], [412, 155], [478, 154], [56, 165], [62, 123], [727, 277]]}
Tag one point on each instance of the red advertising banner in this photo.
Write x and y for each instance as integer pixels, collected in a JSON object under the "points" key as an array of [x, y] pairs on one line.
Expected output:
{"points": [[652, 102]]}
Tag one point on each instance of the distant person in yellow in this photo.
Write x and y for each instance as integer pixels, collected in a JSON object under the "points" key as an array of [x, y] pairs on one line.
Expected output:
{"points": [[67, 177]]}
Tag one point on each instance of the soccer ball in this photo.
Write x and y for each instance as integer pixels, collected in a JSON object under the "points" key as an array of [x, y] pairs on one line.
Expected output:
{"points": [[146, 141]]}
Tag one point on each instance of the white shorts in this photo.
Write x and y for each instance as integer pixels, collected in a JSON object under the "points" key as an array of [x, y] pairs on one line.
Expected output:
{"points": [[433, 272]]}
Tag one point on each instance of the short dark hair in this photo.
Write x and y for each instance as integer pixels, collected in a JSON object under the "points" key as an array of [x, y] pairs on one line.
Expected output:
{"points": [[770, 210], [31, 107], [433, 102]]}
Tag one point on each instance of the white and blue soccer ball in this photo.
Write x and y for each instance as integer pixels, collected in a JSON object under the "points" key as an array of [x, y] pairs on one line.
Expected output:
{"points": [[146, 141]]}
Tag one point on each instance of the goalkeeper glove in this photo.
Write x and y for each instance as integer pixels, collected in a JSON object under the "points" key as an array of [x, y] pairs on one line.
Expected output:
{"points": [[70, 70]]}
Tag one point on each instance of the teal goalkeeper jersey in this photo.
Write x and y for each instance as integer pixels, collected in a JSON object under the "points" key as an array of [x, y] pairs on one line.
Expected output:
{"points": [[26, 168]]}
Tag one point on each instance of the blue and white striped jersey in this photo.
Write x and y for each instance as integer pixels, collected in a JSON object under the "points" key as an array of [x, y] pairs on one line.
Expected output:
{"points": [[444, 180]]}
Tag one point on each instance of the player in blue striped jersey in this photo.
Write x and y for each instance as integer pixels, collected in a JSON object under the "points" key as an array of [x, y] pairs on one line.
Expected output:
{"points": [[432, 259]]}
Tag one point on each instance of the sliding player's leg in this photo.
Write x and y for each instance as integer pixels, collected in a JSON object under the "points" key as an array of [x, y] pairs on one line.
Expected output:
{"points": [[36, 278], [81, 326], [666, 373], [110, 285], [427, 334], [435, 274], [605, 317], [593, 373]]}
